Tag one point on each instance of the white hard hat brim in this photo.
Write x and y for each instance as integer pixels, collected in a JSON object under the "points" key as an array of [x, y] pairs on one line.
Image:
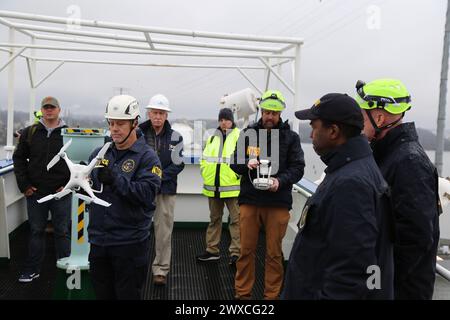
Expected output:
{"points": [[158, 108], [118, 118]]}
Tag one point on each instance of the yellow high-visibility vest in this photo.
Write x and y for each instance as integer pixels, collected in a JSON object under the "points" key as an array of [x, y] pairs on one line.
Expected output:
{"points": [[215, 155]]}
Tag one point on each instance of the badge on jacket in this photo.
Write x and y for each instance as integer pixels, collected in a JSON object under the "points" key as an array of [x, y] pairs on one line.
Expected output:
{"points": [[157, 170], [102, 163], [253, 151], [128, 165]]}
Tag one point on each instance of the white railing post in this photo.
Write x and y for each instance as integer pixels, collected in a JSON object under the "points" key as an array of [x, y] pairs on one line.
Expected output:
{"points": [[296, 70], [32, 88], [9, 148]]}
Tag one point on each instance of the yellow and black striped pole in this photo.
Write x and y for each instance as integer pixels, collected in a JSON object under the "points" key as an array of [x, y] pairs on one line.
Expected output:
{"points": [[82, 131], [80, 225]]}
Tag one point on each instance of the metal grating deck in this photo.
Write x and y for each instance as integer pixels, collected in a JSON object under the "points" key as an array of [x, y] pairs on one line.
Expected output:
{"points": [[192, 280], [187, 280], [39, 289]]}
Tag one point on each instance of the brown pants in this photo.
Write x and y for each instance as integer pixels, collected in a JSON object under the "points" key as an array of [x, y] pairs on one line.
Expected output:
{"points": [[214, 231], [275, 221]]}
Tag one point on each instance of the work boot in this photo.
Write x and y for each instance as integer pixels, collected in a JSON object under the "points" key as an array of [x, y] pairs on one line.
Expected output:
{"points": [[233, 260], [159, 280]]}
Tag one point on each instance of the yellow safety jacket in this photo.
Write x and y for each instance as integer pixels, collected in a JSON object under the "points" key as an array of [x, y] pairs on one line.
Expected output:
{"points": [[218, 178]]}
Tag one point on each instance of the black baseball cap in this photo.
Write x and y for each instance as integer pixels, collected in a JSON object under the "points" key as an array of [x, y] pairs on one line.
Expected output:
{"points": [[338, 107]]}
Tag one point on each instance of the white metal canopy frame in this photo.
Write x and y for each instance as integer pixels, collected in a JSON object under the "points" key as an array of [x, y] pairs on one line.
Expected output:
{"points": [[270, 51]]}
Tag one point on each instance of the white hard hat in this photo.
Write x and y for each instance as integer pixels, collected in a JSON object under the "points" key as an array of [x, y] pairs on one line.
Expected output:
{"points": [[159, 102], [122, 107]]}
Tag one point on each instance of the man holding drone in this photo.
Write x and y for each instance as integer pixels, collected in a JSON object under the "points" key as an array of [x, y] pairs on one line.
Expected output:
{"points": [[268, 147], [129, 179]]}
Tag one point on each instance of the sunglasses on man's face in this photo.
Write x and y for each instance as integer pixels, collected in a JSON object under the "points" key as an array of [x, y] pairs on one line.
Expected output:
{"points": [[49, 107]]}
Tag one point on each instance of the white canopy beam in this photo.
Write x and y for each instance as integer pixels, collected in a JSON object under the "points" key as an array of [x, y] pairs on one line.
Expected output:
{"points": [[286, 48], [49, 74], [125, 63], [145, 51], [250, 80], [12, 58], [11, 25], [115, 44], [31, 73], [276, 74], [128, 27], [267, 74], [149, 40], [110, 36]]}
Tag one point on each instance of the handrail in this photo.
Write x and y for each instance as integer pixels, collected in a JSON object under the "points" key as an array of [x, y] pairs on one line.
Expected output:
{"points": [[443, 272], [6, 166]]}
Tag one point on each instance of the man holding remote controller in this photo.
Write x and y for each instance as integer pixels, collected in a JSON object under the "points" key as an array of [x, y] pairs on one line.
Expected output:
{"points": [[266, 192]]}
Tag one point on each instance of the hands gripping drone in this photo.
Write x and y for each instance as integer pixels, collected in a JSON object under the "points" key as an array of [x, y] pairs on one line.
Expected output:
{"points": [[105, 176], [263, 181]]}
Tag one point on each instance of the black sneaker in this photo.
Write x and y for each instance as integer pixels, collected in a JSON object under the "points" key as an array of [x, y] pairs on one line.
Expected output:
{"points": [[233, 260], [28, 277], [206, 256]]}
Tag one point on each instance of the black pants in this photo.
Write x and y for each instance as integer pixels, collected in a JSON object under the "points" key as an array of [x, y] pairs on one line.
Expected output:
{"points": [[119, 272]]}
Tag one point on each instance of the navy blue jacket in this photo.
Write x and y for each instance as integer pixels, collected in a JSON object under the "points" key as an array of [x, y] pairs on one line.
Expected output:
{"points": [[346, 230], [132, 196], [414, 187], [166, 144], [290, 164]]}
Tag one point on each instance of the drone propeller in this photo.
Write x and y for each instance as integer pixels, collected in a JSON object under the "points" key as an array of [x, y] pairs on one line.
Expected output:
{"points": [[100, 155], [103, 150], [95, 200], [46, 198], [59, 155], [56, 196]]}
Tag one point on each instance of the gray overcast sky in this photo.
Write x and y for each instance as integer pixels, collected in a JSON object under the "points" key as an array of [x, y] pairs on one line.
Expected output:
{"points": [[339, 49]]}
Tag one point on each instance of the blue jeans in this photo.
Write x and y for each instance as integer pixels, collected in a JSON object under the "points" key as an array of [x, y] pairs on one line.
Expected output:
{"points": [[37, 218]]}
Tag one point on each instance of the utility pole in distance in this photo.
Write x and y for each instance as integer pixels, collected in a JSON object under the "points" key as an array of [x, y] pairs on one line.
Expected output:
{"points": [[442, 96]]}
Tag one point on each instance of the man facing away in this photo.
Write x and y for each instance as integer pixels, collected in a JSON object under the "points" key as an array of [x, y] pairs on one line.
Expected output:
{"points": [[343, 249], [168, 145], [221, 185], [413, 180], [268, 139]]}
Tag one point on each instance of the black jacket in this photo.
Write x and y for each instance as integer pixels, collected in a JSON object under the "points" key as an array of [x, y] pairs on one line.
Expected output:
{"points": [[414, 186], [290, 163], [33, 153], [346, 231], [132, 196], [166, 144]]}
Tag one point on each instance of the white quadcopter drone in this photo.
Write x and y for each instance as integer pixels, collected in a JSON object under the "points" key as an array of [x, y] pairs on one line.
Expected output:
{"points": [[79, 177]]}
